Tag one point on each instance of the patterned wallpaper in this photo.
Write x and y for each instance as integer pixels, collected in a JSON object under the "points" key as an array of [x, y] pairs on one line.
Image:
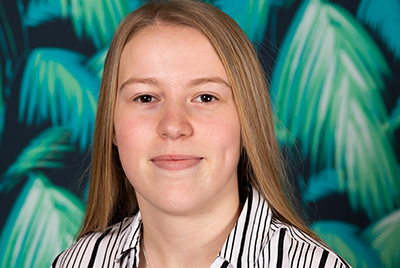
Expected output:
{"points": [[334, 70]]}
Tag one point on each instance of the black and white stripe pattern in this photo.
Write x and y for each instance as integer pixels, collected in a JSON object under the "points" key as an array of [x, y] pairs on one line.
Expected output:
{"points": [[257, 240]]}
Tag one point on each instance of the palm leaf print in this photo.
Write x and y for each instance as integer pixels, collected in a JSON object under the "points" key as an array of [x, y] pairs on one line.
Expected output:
{"points": [[251, 15], [96, 62], [44, 151], [384, 238], [42, 223], [327, 82], [57, 86], [394, 120], [383, 17], [95, 20], [8, 54], [281, 3], [39, 12], [322, 185], [343, 238]]}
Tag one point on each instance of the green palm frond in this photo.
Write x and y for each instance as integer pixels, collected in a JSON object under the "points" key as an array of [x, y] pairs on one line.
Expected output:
{"points": [[327, 83], [322, 185], [8, 54], [57, 86], [45, 151], [41, 11], [383, 17], [96, 62], [344, 239], [281, 3], [251, 15], [384, 238], [96, 20], [394, 120], [41, 224], [7, 39]]}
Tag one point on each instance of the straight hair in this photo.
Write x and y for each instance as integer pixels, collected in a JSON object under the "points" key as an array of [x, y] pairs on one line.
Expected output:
{"points": [[111, 196]]}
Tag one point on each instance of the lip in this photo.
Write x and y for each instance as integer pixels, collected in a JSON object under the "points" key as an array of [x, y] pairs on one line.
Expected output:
{"points": [[176, 162]]}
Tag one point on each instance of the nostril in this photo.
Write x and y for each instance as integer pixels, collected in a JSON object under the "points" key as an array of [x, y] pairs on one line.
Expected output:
{"points": [[174, 122]]}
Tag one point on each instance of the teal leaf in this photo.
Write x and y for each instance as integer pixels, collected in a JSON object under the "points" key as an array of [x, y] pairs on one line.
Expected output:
{"points": [[134, 4], [45, 151], [280, 3], [383, 17], [394, 120], [95, 20], [251, 15], [344, 239], [96, 62], [322, 185], [384, 236], [39, 12], [57, 86], [7, 40], [8, 54], [283, 135], [327, 85], [43, 222]]}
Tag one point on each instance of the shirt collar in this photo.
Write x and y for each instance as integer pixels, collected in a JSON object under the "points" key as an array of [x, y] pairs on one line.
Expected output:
{"points": [[244, 243], [131, 241]]}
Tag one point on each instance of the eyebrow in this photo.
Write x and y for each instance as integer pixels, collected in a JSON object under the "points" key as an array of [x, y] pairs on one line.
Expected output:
{"points": [[205, 80], [192, 83], [134, 80]]}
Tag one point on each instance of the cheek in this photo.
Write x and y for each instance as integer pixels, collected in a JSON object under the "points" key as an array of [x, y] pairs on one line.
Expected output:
{"points": [[132, 138], [131, 131], [223, 134]]}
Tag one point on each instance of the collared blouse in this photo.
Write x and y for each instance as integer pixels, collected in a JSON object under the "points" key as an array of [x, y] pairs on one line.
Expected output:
{"points": [[258, 240]]}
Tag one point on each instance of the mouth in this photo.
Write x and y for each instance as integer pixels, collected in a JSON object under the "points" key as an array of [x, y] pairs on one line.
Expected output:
{"points": [[176, 162]]}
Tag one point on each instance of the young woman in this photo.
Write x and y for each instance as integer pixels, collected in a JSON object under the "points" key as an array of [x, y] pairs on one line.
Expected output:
{"points": [[186, 170]]}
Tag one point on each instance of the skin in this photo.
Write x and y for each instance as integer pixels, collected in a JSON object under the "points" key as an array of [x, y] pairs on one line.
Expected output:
{"points": [[177, 131]]}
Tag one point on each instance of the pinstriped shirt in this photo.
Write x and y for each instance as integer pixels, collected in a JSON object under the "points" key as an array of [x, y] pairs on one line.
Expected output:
{"points": [[258, 240]]}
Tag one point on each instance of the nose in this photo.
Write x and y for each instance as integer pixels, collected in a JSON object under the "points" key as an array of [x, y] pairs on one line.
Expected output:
{"points": [[175, 122]]}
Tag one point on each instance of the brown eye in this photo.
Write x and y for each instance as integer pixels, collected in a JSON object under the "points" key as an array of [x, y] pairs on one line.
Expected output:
{"points": [[144, 98], [205, 98]]}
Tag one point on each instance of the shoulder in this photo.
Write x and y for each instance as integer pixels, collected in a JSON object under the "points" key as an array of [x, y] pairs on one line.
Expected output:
{"points": [[289, 246], [98, 249]]}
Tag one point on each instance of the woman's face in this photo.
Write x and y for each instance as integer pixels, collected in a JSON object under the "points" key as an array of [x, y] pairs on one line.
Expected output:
{"points": [[177, 127]]}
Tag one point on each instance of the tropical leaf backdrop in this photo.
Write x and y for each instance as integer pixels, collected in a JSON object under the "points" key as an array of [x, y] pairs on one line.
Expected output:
{"points": [[334, 69]]}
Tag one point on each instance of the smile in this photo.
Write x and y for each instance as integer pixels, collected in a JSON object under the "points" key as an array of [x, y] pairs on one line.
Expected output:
{"points": [[176, 162]]}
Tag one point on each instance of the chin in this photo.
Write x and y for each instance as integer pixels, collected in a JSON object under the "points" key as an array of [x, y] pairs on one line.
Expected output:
{"points": [[181, 202]]}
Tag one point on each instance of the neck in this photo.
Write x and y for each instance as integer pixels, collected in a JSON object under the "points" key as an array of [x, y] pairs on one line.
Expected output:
{"points": [[189, 240]]}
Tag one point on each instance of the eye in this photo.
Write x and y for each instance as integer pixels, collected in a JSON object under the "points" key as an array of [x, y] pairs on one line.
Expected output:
{"points": [[205, 98], [144, 98]]}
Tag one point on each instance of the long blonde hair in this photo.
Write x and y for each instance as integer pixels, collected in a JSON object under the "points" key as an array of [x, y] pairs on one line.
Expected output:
{"points": [[111, 196]]}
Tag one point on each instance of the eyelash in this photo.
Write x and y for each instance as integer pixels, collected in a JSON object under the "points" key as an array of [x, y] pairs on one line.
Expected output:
{"points": [[209, 96], [200, 98], [140, 98]]}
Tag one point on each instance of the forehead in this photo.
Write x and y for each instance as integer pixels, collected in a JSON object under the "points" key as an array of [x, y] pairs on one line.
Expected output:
{"points": [[155, 50], [165, 35]]}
